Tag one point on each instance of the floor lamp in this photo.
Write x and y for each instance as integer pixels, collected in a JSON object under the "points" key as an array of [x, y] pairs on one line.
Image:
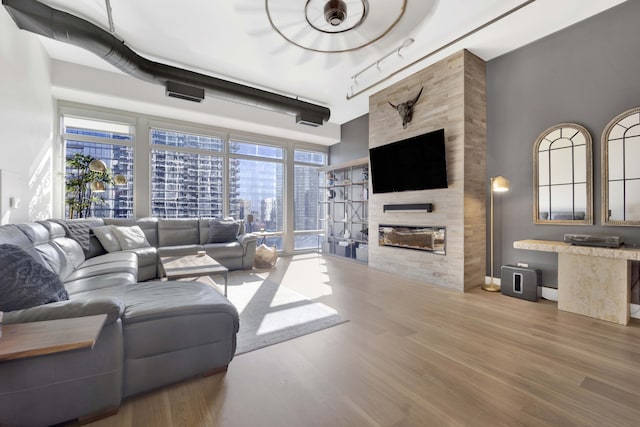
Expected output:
{"points": [[499, 184]]}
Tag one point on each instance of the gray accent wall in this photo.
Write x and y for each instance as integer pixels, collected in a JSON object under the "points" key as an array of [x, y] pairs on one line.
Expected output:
{"points": [[354, 142], [586, 74]]}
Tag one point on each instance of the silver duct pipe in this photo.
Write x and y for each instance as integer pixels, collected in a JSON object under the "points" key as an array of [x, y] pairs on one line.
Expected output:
{"points": [[38, 18]]}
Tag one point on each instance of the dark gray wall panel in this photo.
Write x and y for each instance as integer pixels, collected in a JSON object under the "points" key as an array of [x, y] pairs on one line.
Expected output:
{"points": [[354, 143], [587, 74]]}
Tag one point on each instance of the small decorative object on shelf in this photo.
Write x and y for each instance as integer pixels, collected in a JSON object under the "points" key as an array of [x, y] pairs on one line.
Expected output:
{"points": [[330, 179]]}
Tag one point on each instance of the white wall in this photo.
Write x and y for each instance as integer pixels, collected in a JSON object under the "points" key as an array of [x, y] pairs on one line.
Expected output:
{"points": [[26, 123]]}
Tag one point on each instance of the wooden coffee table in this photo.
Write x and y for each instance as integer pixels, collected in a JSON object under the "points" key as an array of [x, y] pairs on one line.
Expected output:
{"points": [[183, 266]]}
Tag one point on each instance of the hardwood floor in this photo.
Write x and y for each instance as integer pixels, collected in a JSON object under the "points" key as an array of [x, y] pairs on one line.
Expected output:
{"points": [[413, 355]]}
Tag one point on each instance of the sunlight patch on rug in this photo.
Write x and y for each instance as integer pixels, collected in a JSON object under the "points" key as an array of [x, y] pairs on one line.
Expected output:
{"points": [[270, 313]]}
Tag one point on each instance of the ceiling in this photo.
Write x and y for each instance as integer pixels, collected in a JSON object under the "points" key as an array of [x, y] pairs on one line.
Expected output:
{"points": [[235, 40]]}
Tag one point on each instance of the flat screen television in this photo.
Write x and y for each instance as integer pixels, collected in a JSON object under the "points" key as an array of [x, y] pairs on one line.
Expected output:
{"points": [[416, 163]]}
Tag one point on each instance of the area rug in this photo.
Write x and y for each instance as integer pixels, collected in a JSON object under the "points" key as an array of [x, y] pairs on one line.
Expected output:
{"points": [[271, 313]]}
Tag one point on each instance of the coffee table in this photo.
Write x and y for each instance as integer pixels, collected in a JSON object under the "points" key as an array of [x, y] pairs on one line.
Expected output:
{"points": [[182, 266]]}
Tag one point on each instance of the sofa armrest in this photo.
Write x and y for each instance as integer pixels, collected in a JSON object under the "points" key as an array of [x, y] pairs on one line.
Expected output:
{"points": [[245, 239], [112, 307]]}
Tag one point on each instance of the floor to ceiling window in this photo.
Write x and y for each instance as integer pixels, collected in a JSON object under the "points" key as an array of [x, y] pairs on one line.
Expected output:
{"points": [[112, 143], [256, 188], [187, 170], [306, 210]]}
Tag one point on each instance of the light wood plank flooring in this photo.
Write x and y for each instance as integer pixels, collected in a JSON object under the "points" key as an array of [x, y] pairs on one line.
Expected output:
{"points": [[413, 355]]}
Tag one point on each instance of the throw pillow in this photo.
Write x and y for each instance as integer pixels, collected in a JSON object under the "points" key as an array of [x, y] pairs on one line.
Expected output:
{"points": [[24, 282], [107, 238], [79, 230], [130, 237], [223, 230]]}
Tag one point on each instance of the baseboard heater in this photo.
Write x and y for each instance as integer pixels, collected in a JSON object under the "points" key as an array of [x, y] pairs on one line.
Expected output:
{"points": [[411, 207]]}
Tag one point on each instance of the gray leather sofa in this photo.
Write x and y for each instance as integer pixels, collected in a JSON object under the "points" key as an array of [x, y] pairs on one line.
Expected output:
{"points": [[173, 237], [156, 333]]}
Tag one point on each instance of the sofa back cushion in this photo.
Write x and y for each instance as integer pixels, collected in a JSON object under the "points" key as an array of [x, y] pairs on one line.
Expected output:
{"points": [[25, 282], [206, 229], [79, 230], [11, 234], [71, 249], [54, 258], [179, 231]]}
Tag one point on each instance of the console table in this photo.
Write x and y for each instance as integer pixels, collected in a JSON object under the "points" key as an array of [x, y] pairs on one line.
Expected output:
{"points": [[592, 281]]}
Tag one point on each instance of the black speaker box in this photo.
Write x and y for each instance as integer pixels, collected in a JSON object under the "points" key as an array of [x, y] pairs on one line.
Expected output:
{"points": [[520, 282]]}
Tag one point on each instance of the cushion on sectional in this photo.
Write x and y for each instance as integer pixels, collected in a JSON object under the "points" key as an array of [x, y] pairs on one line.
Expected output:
{"points": [[107, 238], [80, 230], [223, 230], [24, 282], [130, 237]]}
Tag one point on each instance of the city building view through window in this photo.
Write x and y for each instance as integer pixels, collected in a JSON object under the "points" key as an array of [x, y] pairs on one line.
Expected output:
{"points": [[194, 175]]}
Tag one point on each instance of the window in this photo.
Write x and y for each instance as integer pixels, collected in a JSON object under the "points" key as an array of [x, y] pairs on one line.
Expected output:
{"points": [[195, 171], [187, 177], [110, 142], [306, 181], [256, 188]]}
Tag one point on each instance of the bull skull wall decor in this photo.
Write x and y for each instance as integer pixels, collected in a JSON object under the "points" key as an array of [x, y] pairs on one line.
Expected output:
{"points": [[406, 109]]}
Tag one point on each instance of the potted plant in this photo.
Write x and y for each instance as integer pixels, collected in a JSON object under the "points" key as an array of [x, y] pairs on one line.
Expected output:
{"points": [[88, 176]]}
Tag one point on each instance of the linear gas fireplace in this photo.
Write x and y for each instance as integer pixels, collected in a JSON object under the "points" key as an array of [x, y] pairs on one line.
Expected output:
{"points": [[431, 239]]}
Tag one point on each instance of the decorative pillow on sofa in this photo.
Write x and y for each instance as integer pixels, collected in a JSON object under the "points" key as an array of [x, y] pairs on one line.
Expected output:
{"points": [[223, 230], [107, 238], [24, 282], [79, 229], [130, 237]]}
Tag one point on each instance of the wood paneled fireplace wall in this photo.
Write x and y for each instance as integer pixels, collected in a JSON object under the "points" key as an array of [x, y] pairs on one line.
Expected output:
{"points": [[453, 98]]}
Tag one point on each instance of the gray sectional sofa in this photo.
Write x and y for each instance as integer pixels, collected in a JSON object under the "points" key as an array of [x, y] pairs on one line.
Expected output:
{"points": [[156, 332], [172, 237]]}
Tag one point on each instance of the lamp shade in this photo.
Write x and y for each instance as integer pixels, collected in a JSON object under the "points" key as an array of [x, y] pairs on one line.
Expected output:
{"points": [[120, 180], [499, 184], [97, 186], [97, 166]]}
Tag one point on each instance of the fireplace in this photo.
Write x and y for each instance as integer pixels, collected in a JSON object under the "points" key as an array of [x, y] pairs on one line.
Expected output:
{"points": [[430, 239]]}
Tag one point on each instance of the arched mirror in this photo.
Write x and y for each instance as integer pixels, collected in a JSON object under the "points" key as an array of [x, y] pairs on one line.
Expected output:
{"points": [[621, 170], [562, 176]]}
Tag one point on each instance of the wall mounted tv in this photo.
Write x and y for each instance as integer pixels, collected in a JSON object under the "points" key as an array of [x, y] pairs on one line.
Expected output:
{"points": [[417, 163]]}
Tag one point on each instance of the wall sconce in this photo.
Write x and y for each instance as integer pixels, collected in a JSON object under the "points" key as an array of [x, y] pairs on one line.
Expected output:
{"points": [[499, 184]]}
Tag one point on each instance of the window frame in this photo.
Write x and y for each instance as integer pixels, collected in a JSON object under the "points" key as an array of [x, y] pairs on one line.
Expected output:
{"points": [[141, 123]]}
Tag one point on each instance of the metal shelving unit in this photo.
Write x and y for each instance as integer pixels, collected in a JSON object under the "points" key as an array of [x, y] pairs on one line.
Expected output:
{"points": [[344, 197]]}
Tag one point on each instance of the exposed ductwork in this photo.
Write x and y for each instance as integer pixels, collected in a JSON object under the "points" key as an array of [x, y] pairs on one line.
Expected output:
{"points": [[41, 19]]}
